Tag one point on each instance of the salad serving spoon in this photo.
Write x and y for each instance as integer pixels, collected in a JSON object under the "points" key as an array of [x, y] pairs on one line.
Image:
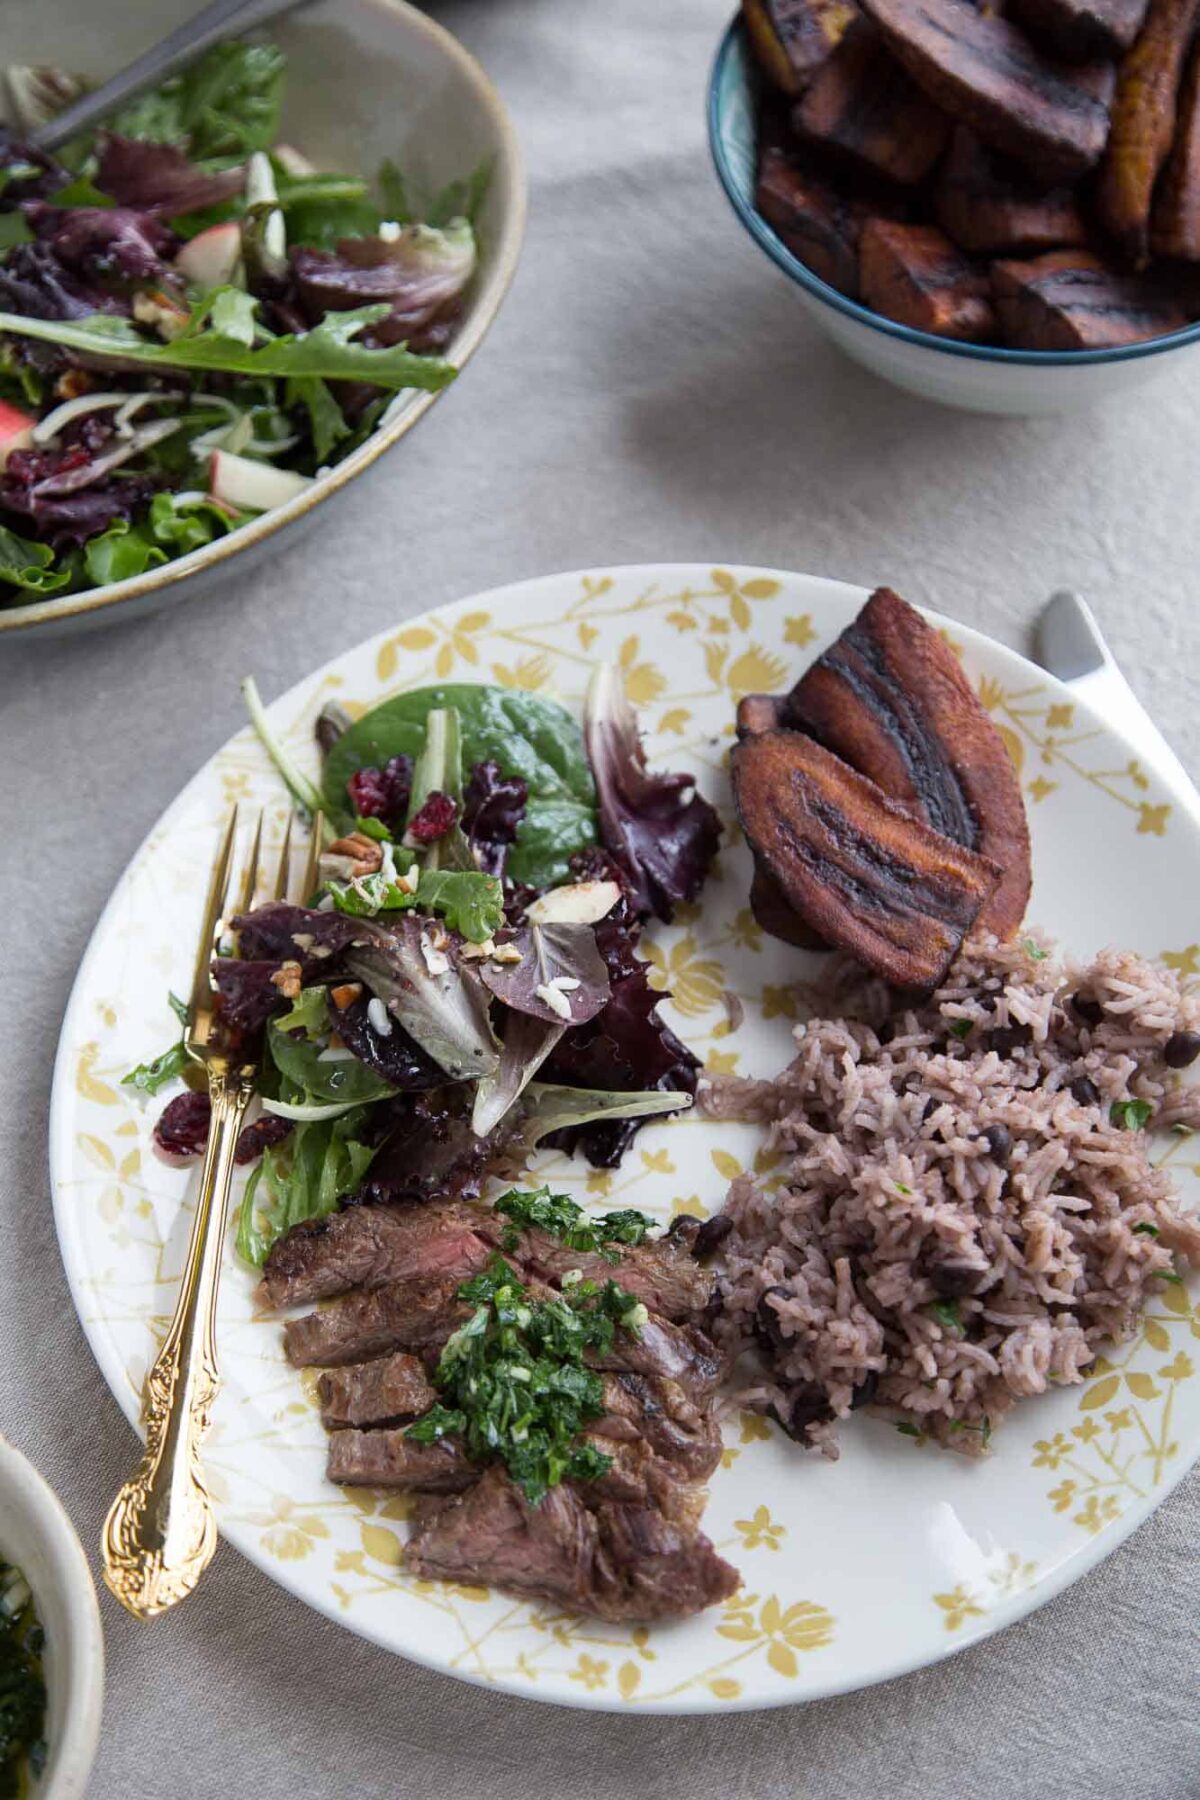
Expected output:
{"points": [[220, 19]]}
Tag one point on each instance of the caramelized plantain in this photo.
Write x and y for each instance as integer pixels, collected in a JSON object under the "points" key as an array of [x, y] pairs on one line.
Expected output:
{"points": [[776, 914], [817, 224], [890, 697], [863, 109], [1143, 124], [1070, 300], [986, 73], [1175, 222], [914, 274], [1081, 29], [990, 206], [759, 712], [868, 876], [792, 38]]}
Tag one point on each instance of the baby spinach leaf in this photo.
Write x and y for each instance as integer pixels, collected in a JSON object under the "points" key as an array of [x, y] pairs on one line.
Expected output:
{"points": [[345, 1079], [527, 735]]}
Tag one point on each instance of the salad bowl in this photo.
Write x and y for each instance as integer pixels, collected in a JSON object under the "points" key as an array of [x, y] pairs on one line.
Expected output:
{"points": [[368, 82]]}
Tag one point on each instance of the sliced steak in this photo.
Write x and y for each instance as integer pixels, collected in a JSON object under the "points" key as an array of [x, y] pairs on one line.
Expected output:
{"points": [[617, 1562], [417, 1314], [366, 1246], [660, 1413], [374, 1393], [678, 1353], [663, 1273], [390, 1459], [647, 1567]]}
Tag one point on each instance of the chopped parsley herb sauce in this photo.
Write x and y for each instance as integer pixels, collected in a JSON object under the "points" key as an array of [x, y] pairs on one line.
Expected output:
{"points": [[514, 1383], [562, 1218], [22, 1686]]}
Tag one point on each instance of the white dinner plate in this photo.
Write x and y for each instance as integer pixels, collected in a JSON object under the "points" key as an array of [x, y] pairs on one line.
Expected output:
{"points": [[854, 1571]]}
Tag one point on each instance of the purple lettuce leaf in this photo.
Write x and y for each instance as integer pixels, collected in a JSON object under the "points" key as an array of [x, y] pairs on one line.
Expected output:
{"points": [[396, 1058], [626, 1048], [159, 178], [284, 933], [493, 807], [551, 953], [66, 519], [35, 283], [107, 245], [663, 839], [49, 177], [428, 1150], [420, 275], [248, 992]]}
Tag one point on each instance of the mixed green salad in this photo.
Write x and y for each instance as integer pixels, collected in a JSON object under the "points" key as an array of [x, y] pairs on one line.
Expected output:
{"points": [[464, 984], [195, 322]]}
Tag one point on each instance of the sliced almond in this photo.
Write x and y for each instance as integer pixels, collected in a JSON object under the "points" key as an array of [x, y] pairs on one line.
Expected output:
{"points": [[576, 903]]}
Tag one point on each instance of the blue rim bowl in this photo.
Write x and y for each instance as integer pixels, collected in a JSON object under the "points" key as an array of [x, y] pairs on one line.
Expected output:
{"points": [[732, 135]]}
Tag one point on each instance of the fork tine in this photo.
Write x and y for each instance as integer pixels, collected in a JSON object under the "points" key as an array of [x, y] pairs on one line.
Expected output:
{"points": [[280, 891], [313, 859], [213, 907], [250, 878]]}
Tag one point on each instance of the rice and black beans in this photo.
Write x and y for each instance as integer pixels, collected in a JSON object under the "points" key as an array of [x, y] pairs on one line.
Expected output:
{"points": [[967, 1207]]}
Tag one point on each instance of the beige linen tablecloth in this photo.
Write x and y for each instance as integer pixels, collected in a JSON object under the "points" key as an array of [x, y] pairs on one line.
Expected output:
{"points": [[651, 391]]}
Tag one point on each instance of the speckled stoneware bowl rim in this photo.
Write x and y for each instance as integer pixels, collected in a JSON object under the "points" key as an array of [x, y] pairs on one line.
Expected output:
{"points": [[732, 41], [484, 305], [78, 1663]]}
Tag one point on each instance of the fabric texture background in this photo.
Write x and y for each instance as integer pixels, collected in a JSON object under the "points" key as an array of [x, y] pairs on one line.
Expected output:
{"points": [[652, 390]]}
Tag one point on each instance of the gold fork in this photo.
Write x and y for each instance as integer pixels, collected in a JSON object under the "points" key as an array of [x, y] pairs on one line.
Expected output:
{"points": [[160, 1533]]}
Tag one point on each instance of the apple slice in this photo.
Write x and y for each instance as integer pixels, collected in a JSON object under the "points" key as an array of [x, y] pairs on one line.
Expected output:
{"points": [[252, 486], [16, 430], [211, 258]]}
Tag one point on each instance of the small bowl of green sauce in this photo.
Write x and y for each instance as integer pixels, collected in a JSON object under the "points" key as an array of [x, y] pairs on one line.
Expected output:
{"points": [[51, 1647]]}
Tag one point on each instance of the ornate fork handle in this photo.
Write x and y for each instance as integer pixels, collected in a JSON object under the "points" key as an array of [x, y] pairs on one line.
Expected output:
{"points": [[160, 1533]]}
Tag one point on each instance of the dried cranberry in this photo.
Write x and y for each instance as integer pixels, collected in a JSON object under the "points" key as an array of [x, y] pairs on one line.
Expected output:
{"points": [[182, 1129], [260, 1136], [433, 819], [382, 793]]}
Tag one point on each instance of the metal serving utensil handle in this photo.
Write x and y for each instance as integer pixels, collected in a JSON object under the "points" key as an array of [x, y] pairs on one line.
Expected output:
{"points": [[220, 19], [160, 1533]]}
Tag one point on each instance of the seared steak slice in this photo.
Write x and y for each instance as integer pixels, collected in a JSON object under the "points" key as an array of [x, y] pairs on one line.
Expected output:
{"points": [[649, 1568], [404, 1315], [617, 1562], [391, 1459], [366, 1246], [660, 1414], [371, 1393], [678, 1353], [662, 1273]]}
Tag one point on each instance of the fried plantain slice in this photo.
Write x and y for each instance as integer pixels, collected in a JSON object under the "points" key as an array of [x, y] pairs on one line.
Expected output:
{"points": [[1175, 221], [990, 206], [859, 869], [792, 38], [1071, 300], [890, 697], [777, 916], [1081, 29], [914, 274], [863, 109], [817, 223], [1143, 124], [984, 72]]}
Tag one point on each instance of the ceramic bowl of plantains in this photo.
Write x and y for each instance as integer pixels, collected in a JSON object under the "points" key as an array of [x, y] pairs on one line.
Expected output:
{"points": [[998, 213]]}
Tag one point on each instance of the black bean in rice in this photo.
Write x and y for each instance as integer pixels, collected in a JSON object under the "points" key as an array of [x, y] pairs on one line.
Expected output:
{"points": [[958, 1223]]}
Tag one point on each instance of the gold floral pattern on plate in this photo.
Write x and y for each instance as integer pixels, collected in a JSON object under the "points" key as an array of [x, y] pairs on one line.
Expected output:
{"points": [[836, 1586]]}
